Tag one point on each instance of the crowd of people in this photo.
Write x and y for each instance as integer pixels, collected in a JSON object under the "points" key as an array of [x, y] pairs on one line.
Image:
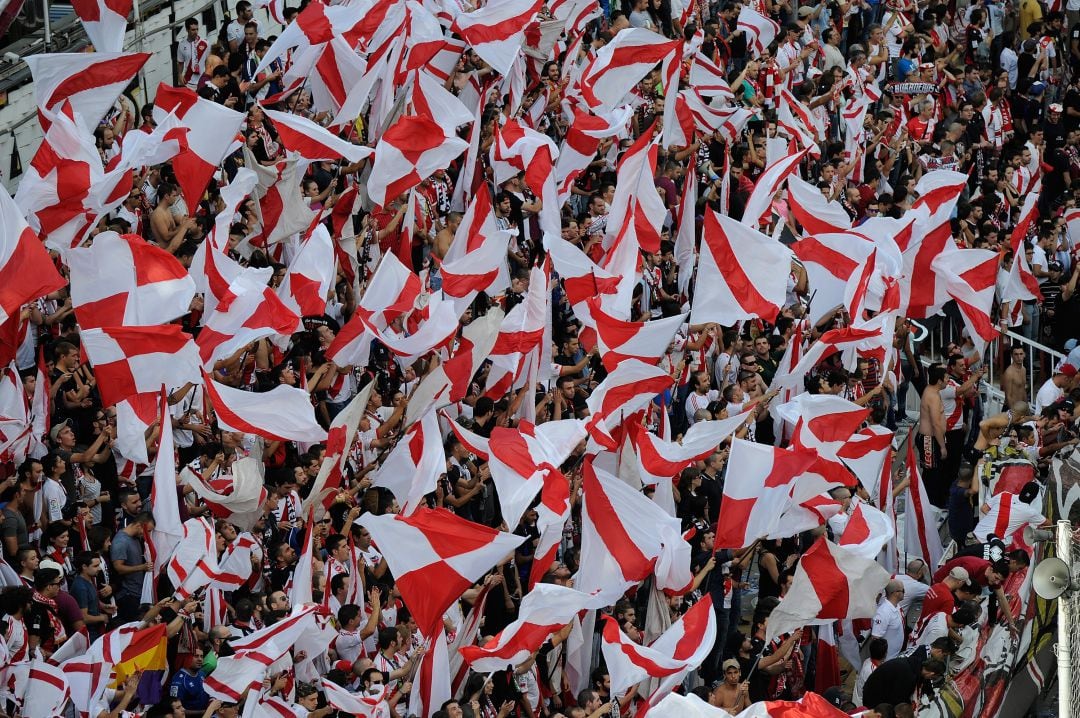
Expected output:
{"points": [[991, 90]]}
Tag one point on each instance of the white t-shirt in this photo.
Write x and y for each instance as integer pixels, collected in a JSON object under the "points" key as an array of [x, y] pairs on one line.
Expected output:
{"points": [[55, 499], [1019, 516], [1049, 393]]}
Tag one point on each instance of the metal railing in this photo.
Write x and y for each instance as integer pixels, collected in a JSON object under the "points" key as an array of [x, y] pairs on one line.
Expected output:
{"points": [[1039, 364]]}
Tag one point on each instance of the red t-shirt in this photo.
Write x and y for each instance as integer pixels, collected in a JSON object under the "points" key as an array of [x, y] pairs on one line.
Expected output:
{"points": [[975, 566], [938, 599]]}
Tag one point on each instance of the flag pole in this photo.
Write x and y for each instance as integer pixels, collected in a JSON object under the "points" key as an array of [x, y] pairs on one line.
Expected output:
{"points": [[48, 26]]}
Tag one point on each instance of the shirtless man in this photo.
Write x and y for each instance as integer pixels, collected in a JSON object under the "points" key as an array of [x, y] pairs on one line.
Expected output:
{"points": [[991, 429], [446, 235], [167, 232], [731, 695], [930, 442], [1014, 378]]}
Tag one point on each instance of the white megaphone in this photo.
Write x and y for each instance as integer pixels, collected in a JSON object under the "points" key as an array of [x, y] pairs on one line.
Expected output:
{"points": [[1052, 577]]}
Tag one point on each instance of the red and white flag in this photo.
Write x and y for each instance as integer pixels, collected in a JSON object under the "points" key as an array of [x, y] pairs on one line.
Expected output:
{"points": [[26, 269], [249, 311], [282, 414], [581, 278], [212, 129], [669, 659], [90, 81], [921, 534], [520, 345], [824, 423], [686, 236], [813, 211], [739, 273], [125, 280], [868, 531], [317, 25], [636, 199], [412, 148], [310, 276], [351, 703], [828, 344], [135, 360], [436, 556], [105, 22], [868, 453], [970, 277], [339, 442], [168, 529], [496, 31], [928, 234], [552, 513], [411, 469], [518, 148], [619, 340], [628, 388], [582, 141], [483, 269], [1022, 285], [831, 583], [709, 79], [314, 142], [757, 495], [280, 209], [661, 460], [625, 538], [760, 30], [811, 705], [621, 64], [830, 260], [766, 187], [545, 610]]}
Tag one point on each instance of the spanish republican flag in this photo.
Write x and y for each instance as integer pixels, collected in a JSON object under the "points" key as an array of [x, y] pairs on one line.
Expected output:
{"points": [[145, 652]]}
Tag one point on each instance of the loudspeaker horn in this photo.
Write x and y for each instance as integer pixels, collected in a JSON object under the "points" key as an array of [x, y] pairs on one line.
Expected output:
{"points": [[1052, 578]]}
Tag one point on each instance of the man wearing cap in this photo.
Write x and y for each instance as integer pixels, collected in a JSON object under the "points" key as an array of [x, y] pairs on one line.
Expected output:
{"points": [[1072, 349], [732, 694], [1053, 128], [1056, 387], [939, 598]]}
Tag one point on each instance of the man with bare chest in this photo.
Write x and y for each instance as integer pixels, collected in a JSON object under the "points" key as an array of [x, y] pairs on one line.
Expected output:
{"points": [[1014, 379], [930, 441]]}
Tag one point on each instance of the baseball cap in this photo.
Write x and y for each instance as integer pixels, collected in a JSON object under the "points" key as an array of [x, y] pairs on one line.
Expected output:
{"points": [[1055, 107], [806, 11], [1068, 370], [1070, 345], [54, 433], [731, 663], [1036, 89], [959, 573], [926, 66], [49, 563]]}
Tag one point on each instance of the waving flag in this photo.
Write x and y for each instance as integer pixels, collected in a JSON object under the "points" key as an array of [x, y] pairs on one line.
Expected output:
{"points": [[581, 279], [314, 142], [90, 81], [766, 187], [868, 455], [659, 460], [921, 536], [26, 269], [636, 198], [281, 414], [830, 584], [670, 658], [620, 340], [1021, 286], [105, 22], [621, 64], [581, 142], [436, 556], [738, 274], [628, 388], [970, 277], [310, 276], [212, 129], [249, 311], [518, 148], [125, 280], [758, 492], [496, 31], [134, 360], [830, 261], [813, 211], [928, 234], [868, 531], [545, 610], [552, 513], [760, 30], [413, 148], [412, 468], [483, 269], [625, 538]]}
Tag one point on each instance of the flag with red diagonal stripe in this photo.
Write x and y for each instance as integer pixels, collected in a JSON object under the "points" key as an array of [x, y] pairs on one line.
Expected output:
{"points": [[496, 31], [413, 148], [212, 129], [281, 414], [625, 538], [310, 276], [134, 360], [921, 536], [629, 387], [758, 493], [545, 610], [105, 22], [621, 340], [621, 64], [26, 269], [831, 583], [868, 531], [760, 30], [738, 273], [970, 277], [91, 81], [412, 468], [436, 556], [125, 280], [677, 651], [766, 187], [813, 211], [312, 141], [339, 441]]}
